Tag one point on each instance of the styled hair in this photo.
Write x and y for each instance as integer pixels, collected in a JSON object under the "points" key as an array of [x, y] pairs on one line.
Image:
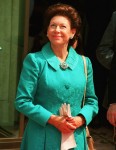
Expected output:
{"points": [[62, 10], [66, 11]]}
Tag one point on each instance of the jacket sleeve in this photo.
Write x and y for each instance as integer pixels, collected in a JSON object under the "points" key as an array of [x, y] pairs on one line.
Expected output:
{"points": [[90, 108], [105, 50], [26, 91]]}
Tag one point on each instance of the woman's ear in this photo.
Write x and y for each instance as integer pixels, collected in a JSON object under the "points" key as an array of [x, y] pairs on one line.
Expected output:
{"points": [[73, 31]]}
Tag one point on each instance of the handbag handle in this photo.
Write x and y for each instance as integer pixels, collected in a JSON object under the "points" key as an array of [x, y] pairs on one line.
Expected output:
{"points": [[90, 141], [85, 70]]}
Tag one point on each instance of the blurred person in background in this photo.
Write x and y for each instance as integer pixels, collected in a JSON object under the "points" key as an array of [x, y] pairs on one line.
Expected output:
{"points": [[106, 55]]}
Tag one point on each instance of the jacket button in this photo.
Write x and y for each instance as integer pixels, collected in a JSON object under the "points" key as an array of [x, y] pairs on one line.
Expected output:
{"points": [[67, 86]]}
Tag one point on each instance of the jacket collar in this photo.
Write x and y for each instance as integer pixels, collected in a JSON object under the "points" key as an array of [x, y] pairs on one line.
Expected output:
{"points": [[53, 61]]}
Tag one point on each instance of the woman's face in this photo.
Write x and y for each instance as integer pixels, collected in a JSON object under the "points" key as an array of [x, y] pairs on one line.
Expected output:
{"points": [[59, 30]]}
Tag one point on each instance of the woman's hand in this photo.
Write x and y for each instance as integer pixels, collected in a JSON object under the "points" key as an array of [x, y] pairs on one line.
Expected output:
{"points": [[76, 121], [61, 123]]}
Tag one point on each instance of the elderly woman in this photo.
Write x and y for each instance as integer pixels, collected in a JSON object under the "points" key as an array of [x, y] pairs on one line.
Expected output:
{"points": [[54, 76]]}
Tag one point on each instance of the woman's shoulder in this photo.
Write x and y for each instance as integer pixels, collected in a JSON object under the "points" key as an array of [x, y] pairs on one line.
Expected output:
{"points": [[35, 60], [36, 56], [82, 57], [86, 61]]}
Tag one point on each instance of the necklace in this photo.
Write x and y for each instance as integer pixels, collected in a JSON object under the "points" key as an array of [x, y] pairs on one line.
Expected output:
{"points": [[64, 65]]}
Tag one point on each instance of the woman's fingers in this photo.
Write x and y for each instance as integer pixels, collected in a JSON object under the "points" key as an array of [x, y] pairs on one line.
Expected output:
{"points": [[66, 127]]}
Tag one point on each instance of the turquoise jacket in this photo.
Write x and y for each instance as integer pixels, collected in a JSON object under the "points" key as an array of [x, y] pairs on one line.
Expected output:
{"points": [[43, 87]]}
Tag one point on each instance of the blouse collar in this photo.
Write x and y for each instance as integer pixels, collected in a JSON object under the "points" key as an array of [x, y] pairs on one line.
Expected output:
{"points": [[53, 61]]}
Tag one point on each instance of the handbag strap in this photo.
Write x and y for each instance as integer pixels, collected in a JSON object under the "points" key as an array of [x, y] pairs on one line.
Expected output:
{"points": [[85, 70]]}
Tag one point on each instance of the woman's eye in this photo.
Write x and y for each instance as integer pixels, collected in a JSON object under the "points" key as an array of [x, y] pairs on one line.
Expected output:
{"points": [[63, 27], [53, 26]]}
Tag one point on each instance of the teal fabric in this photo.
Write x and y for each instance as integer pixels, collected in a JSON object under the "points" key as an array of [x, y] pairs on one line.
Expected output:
{"points": [[43, 87]]}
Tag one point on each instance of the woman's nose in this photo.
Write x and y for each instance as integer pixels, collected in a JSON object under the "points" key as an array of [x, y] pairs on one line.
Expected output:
{"points": [[57, 28]]}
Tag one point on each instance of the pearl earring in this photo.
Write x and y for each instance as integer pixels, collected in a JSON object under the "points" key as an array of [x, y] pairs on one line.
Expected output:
{"points": [[71, 37]]}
